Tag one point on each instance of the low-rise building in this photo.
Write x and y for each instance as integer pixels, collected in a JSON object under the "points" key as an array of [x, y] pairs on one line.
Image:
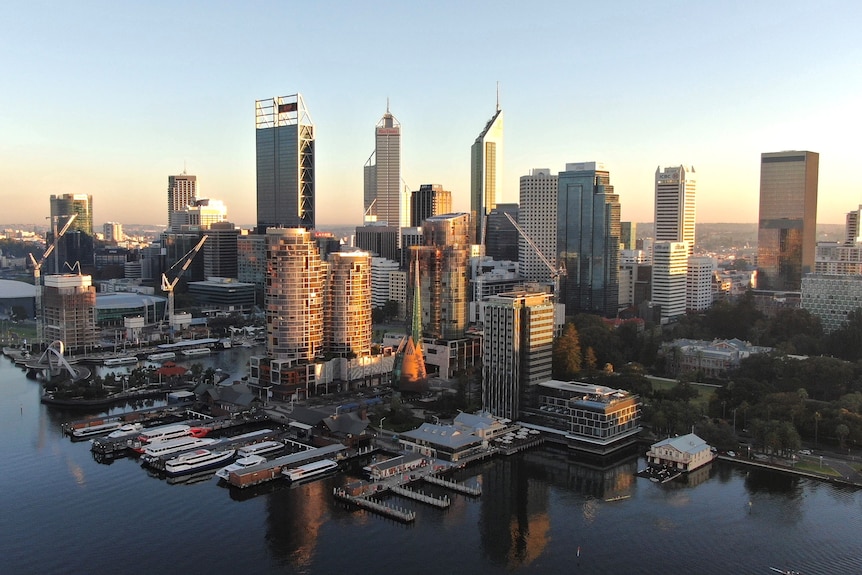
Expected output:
{"points": [[683, 453], [707, 358]]}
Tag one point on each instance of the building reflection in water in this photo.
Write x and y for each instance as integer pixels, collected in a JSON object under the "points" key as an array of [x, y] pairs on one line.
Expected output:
{"points": [[294, 519], [515, 522]]}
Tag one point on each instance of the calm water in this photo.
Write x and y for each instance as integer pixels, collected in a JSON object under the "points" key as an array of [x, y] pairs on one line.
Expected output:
{"points": [[61, 512]]}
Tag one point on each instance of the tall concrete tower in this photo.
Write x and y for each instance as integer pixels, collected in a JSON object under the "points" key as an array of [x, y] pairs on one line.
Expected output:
{"points": [[675, 205]]}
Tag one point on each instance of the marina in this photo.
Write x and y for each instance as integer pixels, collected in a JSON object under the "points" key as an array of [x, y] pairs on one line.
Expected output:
{"points": [[198, 460]]}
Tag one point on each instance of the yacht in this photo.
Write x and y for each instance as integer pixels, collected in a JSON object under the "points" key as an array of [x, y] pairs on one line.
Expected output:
{"points": [[239, 464], [261, 448], [93, 430], [310, 470], [158, 434], [125, 429], [162, 448], [197, 460]]}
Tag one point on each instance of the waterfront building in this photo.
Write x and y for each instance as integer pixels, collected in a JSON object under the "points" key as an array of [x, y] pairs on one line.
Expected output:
{"points": [[699, 282], [501, 236], [786, 233], [682, 453], [382, 175], [585, 416], [443, 442], [220, 251], [284, 139], [223, 295], [486, 173], [15, 294], [379, 239], [294, 295], [347, 311], [709, 358], [69, 310], [588, 239], [831, 298], [538, 212], [518, 337], [113, 232], [675, 205], [429, 200], [628, 235], [669, 269], [182, 193], [443, 280]]}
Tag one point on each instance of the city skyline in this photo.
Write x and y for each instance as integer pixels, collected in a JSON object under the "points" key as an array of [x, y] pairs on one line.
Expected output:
{"points": [[744, 84]]}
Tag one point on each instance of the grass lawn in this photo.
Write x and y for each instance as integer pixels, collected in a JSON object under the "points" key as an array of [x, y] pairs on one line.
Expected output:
{"points": [[704, 392], [815, 468]]}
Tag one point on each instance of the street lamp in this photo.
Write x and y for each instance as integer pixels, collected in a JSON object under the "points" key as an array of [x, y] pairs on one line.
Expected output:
{"points": [[382, 419]]}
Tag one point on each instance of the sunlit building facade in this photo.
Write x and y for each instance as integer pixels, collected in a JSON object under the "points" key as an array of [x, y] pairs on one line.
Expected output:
{"points": [[182, 193], [486, 172], [69, 310], [675, 205], [347, 315], [382, 175], [669, 275], [537, 214]]}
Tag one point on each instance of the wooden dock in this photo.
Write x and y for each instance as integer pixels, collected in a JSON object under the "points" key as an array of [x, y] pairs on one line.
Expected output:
{"points": [[377, 506], [453, 485], [440, 502]]}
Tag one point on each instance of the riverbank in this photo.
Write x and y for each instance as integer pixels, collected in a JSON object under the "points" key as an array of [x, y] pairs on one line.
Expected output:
{"points": [[845, 474]]}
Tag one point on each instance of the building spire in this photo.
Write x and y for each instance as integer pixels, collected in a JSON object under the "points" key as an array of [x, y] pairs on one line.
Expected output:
{"points": [[498, 95], [387, 104], [416, 312]]}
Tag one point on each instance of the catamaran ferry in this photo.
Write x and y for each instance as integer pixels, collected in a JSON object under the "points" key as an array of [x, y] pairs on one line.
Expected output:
{"points": [[194, 352], [310, 470], [242, 463], [197, 460], [125, 429], [158, 434], [161, 356], [93, 430], [261, 448], [121, 360], [157, 450]]}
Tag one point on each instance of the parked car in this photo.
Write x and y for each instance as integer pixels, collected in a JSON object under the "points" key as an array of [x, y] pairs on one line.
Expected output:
{"points": [[804, 452]]}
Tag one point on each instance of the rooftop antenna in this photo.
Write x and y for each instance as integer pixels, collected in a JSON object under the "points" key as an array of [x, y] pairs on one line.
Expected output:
{"points": [[184, 162], [498, 95], [387, 104]]}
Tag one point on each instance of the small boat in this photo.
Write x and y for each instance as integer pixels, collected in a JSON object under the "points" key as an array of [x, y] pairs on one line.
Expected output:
{"points": [[162, 356], [242, 463], [127, 360], [617, 498], [197, 460], [309, 470], [785, 571], [93, 430], [194, 352], [260, 448], [125, 429]]}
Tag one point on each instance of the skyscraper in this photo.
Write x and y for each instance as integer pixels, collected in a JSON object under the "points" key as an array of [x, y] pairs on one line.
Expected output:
{"points": [[669, 274], [588, 239], [81, 205], [501, 237], [383, 195], [347, 314], [537, 217], [75, 250], [429, 200], [182, 193], [786, 233], [516, 349], [674, 205], [486, 172], [294, 295], [285, 163]]}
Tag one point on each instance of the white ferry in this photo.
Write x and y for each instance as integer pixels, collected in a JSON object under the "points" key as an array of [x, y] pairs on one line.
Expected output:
{"points": [[121, 360], [125, 429], [224, 472], [194, 352], [156, 450], [197, 460], [310, 470], [161, 356], [157, 434], [102, 429], [260, 448]]}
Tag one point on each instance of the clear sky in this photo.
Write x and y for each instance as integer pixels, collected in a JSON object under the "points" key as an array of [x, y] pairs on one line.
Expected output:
{"points": [[109, 98]]}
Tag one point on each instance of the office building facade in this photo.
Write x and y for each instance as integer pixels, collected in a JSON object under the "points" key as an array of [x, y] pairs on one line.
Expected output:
{"points": [[501, 237], [669, 275], [588, 239], [284, 138], [675, 205], [182, 193], [786, 233], [383, 197], [699, 280], [486, 172], [537, 217], [429, 200]]}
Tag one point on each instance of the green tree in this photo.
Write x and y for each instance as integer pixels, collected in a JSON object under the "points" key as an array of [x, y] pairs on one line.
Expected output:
{"points": [[842, 431], [566, 356]]}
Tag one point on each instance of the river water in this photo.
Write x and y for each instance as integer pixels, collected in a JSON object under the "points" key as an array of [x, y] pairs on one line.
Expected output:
{"points": [[541, 511]]}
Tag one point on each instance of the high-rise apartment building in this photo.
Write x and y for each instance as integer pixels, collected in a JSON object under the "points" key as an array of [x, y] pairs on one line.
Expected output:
{"points": [[538, 213], [486, 172], [347, 313], [443, 267], [669, 273], [251, 260], [294, 295], [113, 232], [65, 205], [588, 239], [382, 174], [698, 291], [182, 193], [786, 233], [69, 310], [429, 200], [852, 231], [516, 349], [285, 164], [675, 205]]}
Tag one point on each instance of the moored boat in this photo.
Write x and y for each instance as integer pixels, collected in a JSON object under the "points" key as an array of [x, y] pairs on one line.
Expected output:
{"points": [[161, 356], [197, 460], [128, 360], [126, 429], [309, 470], [158, 434], [194, 352], [95, 430], [160, 449], [261, 448], [242, 463]]}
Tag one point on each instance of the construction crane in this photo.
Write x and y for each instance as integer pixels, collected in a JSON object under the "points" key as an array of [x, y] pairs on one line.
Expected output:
{"points": [[37, 276], [168, 286], [555, 272]]}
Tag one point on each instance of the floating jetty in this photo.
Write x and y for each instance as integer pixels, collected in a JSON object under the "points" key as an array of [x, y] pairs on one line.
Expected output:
{"points": [[453, 485], [441, 502], [376, 505]]}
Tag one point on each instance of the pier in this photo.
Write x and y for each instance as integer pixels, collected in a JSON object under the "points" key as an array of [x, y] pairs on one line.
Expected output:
{"points": [[440, 502], [453, 485], [381, 507], [272, 469]]}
